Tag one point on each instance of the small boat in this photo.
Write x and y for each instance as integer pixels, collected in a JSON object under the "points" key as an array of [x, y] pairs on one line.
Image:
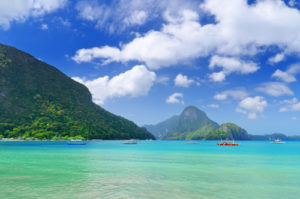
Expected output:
{"points": [[76, 142], [132, 141], [228, 144], [278, 141]]}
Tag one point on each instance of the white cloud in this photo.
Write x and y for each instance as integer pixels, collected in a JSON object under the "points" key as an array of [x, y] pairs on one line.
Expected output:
{"points": [[277, 58], [44, 27], [284, 76], [289, 75], [230, 65], [136, 18], [134, 83], [177, 41], [290, 105], [275, 89], [251, 106], [221, 96], [213, 106], [21, 10], [87, 55], [218, 76], [175, 98], [163, 80], [183, 81], [294, 69], [267, 22], [237, 94], [240, 29], [118, 15]]}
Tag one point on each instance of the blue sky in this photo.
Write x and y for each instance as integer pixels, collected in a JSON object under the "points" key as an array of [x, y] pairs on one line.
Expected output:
{"points": [[147, 59]]}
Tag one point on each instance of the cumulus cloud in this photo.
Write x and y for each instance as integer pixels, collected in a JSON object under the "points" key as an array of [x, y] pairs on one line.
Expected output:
{"points": [[275, 89], [289, 75], [160, 48], [230, 65], [237, 94], [290, 105], [277, 58], [183, 81], [87, 55], [251, 106], [177, 41], [175, 98], [240, 29], [134, 83], [248, 25], [218, 76], [20, 10], [121, 14], [284, 76]]}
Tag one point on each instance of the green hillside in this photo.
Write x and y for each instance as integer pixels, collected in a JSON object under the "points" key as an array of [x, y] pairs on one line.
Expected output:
{"points": [[228, 131], [37, 100], [192, 123]]}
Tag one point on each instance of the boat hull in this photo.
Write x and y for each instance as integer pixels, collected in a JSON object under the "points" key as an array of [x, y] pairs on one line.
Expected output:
{"points": [[227, 144]]}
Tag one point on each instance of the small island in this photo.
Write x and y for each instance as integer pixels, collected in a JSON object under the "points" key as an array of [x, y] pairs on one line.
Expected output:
{"points": [[193, 124]]}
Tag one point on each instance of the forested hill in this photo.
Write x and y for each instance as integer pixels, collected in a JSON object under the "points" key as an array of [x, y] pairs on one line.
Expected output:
{"points": [[192, 123], [37, 100]]}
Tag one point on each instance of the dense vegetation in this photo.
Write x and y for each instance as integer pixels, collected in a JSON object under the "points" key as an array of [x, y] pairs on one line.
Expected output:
{"points": [[191, 124], [37, 100], [228, 131]]}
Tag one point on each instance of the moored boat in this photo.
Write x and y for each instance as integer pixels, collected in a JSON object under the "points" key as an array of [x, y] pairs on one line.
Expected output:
{"points": [[76, 142], [132, 141], [228, 144]]}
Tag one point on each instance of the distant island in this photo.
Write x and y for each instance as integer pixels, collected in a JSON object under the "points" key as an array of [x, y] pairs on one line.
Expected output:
{"points": [[37, 101], [193, 124]]}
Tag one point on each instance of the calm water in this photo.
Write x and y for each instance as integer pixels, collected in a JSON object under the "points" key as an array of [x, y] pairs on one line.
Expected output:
{"points": [[150, 169]]}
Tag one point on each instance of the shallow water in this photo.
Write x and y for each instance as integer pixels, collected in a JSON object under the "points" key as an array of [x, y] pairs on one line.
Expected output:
{"points": [[150, 169]]}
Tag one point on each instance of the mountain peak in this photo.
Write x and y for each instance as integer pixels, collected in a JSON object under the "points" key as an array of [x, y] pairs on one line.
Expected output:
{"points": [[194, 108], [192, 113], [192, 123]]}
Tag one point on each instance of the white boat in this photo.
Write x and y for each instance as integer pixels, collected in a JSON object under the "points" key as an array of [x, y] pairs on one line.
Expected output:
{"points": [[76, 142], [278, 141], [132, 141]]}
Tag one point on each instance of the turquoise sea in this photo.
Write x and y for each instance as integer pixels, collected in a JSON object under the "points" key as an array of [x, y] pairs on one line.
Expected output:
{"points": [[150, 169]]}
